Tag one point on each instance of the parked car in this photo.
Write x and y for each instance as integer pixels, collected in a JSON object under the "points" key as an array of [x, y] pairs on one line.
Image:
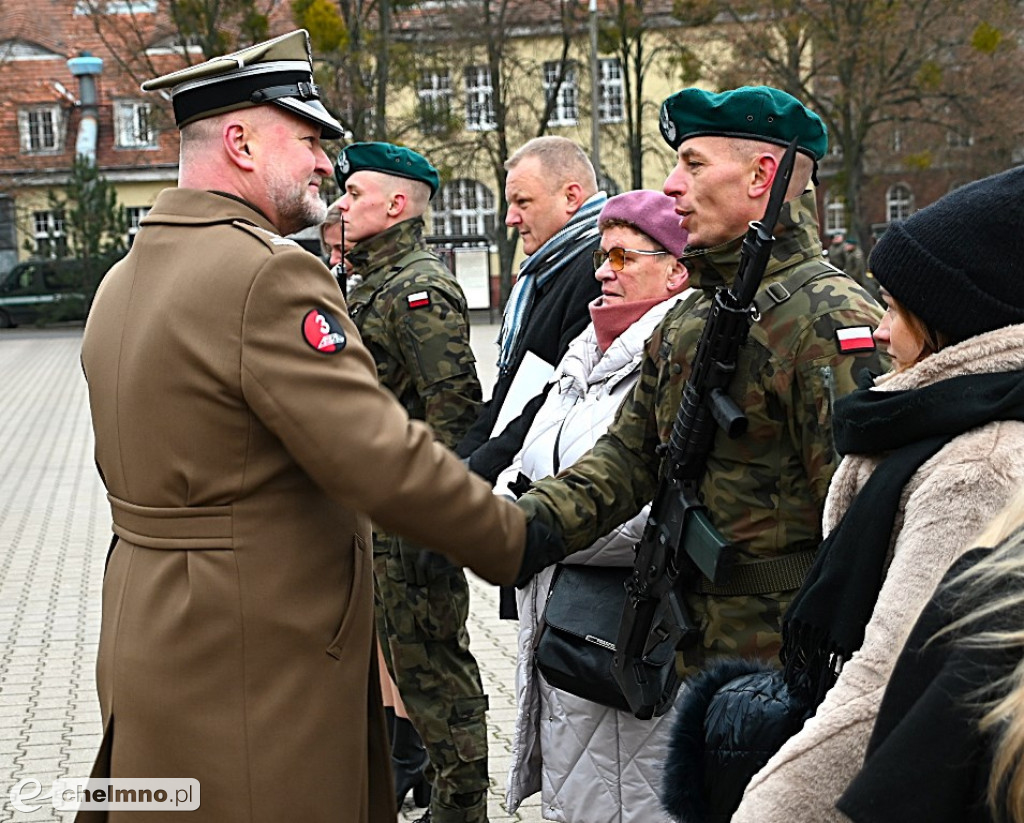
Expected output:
{"points": [[49, 291]]}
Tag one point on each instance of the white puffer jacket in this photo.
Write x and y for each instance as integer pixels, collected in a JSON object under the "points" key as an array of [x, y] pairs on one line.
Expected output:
{"points": [[589, 762], [943, 506]]}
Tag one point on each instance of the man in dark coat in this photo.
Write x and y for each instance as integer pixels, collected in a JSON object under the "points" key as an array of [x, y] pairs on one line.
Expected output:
{"points": [[553, 202]]}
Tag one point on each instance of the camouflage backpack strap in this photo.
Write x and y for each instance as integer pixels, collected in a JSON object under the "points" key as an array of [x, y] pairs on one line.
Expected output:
{"points": [[777, 293], [424, 255], [358, 313], [411, 257]]}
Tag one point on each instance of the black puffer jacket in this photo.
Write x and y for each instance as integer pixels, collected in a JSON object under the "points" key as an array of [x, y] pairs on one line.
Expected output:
{"points": [[732, 718]]}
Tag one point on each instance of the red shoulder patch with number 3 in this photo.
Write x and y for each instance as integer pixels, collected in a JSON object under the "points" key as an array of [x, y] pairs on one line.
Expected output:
{"points": [[322, 332]]}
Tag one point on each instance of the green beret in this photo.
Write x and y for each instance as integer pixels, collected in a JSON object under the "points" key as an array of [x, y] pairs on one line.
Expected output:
{"points": [[387, 159], [278, 71], [751, 112]]}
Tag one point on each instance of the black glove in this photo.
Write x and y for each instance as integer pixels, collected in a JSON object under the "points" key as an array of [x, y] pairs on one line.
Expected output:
{"points": [[543, 548], [421, 566]]}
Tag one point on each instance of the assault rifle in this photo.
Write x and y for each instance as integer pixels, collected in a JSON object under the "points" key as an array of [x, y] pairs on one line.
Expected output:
{"points": [[679, 539]]}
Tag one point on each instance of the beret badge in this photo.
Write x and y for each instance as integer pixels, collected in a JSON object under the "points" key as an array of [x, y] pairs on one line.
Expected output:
{"points": [[668, 128]]}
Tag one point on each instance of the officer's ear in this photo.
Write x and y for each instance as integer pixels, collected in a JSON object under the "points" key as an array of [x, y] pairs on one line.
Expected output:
{"points": [[236, 136]]}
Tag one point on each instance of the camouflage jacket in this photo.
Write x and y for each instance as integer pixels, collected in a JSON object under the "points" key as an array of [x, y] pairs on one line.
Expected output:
{"points": [[414, 320], [765, 491]]}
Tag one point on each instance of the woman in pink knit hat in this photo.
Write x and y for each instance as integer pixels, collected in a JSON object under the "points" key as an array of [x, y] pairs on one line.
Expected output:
{"points": [[590, 761]]}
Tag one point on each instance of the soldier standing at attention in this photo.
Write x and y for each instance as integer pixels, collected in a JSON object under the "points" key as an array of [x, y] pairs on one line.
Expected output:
{"points": [[810, 339], [245, 445], [412, 316]]}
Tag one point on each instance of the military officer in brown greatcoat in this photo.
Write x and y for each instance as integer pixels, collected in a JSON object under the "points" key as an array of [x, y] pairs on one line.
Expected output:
{"points": [[245, 445]]}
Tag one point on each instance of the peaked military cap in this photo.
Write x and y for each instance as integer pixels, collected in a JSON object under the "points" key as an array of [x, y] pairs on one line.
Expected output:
{"points": [[386, 158], [278, 71], [752, 112]]}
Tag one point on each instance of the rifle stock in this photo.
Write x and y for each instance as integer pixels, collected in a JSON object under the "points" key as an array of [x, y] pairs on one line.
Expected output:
{"points": [[680, 542]]}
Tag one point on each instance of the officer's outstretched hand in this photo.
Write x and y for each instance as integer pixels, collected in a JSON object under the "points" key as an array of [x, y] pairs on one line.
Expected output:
{"points": [[544, 546]]}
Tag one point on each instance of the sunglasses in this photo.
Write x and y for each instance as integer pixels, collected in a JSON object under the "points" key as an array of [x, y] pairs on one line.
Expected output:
{"points": [[617, 257]]}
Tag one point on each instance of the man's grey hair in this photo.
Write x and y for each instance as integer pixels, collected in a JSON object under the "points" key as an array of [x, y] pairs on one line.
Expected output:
{"points": [[561, 159]]}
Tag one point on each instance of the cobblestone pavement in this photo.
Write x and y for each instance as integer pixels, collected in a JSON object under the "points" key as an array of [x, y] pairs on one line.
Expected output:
{"points": [[54, 532]]}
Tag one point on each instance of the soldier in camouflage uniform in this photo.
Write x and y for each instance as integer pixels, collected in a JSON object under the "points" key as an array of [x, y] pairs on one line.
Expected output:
{"points": [[811, 338], [413, 318]]}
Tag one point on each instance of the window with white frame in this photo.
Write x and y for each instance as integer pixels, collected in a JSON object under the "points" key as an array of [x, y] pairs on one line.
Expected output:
{"points": [[835, 213], [48, 233], [566, 106], [612, 109], [959, 138], [41, 129], [899, 202], [133, 217], [896, 143], [479, 99], [122, 7], [176, 44], [435, 99], [132, 123], [463, 207]]}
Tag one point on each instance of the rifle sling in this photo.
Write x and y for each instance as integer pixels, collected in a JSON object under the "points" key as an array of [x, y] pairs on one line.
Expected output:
{"points": [[775, 574], [777, 293]]}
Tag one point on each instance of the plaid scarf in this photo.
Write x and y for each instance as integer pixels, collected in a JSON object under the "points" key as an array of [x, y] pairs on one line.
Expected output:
{"points": [[556, 254]]}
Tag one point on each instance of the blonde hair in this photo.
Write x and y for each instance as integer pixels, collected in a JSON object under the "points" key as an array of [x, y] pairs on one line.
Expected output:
{"points": [[332, 218], [1002, 702]]}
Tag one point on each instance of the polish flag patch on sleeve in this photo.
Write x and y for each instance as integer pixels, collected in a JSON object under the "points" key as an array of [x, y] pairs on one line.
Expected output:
{"points": [[855, 339], [419, 300]]}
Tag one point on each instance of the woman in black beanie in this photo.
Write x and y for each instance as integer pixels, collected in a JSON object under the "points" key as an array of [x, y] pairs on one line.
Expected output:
{"points": [[932, 450]]}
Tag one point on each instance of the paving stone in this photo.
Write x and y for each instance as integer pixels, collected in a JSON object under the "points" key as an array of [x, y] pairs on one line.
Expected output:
{"points": [[56, 526]]}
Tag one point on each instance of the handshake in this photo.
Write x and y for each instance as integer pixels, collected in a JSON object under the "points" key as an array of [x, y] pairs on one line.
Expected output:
{"points": [[544, 547]]}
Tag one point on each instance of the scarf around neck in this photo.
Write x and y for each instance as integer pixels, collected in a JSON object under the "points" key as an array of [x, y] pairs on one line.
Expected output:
{"points": [[557, 253], [826, 622], [612, 320]]}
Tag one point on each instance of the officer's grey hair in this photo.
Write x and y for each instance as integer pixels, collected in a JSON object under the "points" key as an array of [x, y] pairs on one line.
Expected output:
{"points": [[561, 159], [195, 138]]}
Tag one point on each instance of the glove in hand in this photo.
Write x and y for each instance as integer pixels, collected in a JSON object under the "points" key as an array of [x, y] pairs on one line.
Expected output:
{"points": [[544, 547]]}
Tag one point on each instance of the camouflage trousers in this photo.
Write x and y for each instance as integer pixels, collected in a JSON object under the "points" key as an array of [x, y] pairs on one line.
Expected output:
{"points": [[742, 626], [422, 631]]}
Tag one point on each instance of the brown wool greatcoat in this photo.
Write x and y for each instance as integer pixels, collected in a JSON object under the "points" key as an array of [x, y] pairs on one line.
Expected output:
{"points": [[243, 467]]}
